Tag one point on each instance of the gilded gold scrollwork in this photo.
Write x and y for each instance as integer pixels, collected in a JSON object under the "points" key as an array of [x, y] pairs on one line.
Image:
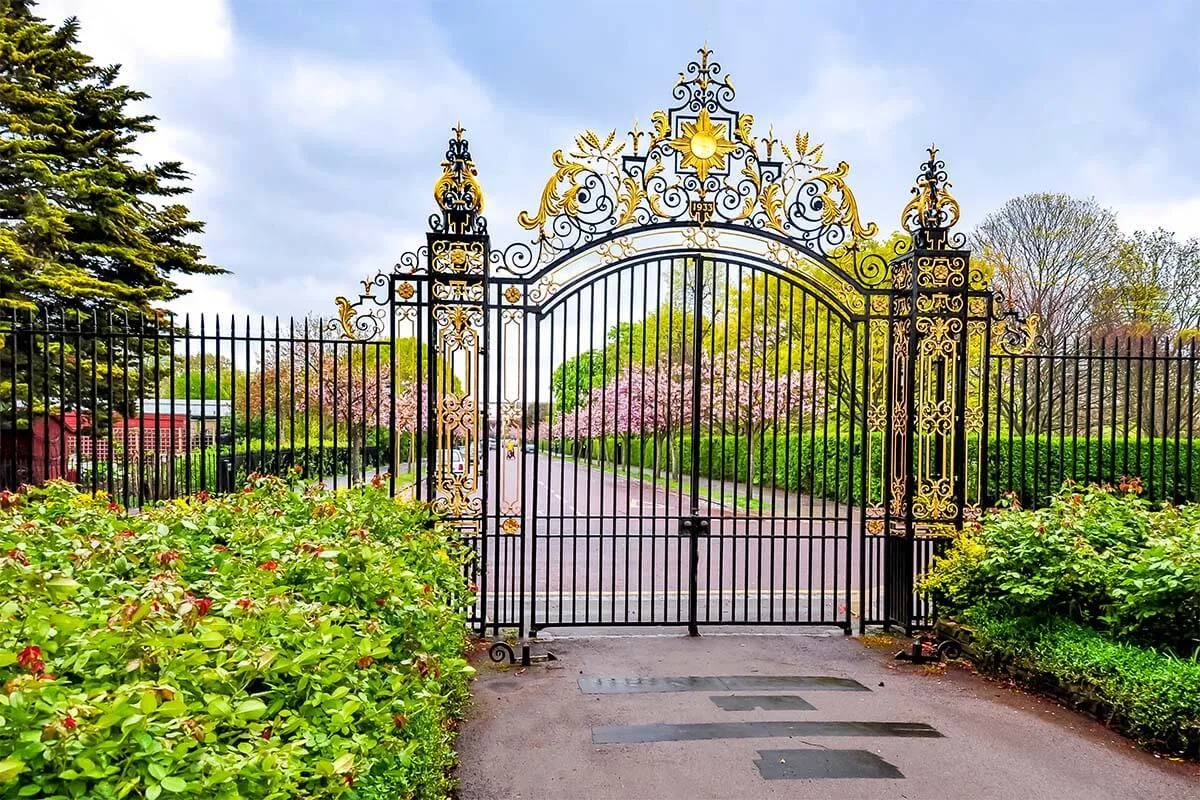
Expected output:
{"points": [[702, 238], [699, 163], [457, 191], [932, 207], [616, 250], [362, 319], [462, 257], [1013, 334]]}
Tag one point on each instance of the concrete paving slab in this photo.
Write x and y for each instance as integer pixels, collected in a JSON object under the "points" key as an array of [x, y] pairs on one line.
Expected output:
{"points": [[529, 732]]}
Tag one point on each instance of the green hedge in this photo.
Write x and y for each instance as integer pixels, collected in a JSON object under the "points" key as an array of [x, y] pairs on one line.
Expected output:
{"points": [[820, 466], [272, 643], [1151, 697], [203, 469], [1034, 467], [1031, 467]]}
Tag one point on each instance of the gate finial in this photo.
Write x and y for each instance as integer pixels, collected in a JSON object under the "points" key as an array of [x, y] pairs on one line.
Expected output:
{"points": [[932, 211], [457, 192]]}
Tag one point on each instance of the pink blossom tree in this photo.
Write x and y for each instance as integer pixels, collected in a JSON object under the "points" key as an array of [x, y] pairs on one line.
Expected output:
{"points": [[641, 400], [348, 385], [749, 406]]}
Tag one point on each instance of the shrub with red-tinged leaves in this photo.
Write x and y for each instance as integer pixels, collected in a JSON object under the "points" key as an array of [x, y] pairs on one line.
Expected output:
{"points": [[229, 647], [1100, 555]]}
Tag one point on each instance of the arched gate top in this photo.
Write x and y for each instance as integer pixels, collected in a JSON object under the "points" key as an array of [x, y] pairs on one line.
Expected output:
{"points": [[698, 163], [698, 175]]}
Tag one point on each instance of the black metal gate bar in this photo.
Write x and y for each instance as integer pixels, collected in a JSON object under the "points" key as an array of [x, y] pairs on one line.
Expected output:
{"points": [[699, 525]]}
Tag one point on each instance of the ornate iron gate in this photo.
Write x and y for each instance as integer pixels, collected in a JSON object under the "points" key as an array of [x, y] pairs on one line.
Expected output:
{"points": [[702, 394]]}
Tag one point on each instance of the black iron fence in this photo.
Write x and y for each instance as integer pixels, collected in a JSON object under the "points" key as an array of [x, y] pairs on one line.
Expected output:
{"points": [[1097, 410], [153, 409], [150, 409]]}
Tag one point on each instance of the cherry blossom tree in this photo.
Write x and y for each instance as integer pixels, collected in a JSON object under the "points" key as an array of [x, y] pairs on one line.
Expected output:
{"points": [[346, 385], [749, 406], [642, 400], [645, 401]]}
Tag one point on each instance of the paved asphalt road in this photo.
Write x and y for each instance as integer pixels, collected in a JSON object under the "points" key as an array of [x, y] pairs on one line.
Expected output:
{"points": [[607, 547], [534, 733]]}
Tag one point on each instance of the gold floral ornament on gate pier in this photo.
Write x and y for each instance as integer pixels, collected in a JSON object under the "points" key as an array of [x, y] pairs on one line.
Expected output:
{"points": [[698, 164], [457, 192], [459, 199]]}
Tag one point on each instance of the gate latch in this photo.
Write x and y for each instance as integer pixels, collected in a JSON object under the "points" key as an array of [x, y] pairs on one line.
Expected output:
{"points": [[695, 526]]}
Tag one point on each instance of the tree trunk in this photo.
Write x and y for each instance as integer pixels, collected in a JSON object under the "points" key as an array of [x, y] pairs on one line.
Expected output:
{"points": [[750, 456], [354, 451]]}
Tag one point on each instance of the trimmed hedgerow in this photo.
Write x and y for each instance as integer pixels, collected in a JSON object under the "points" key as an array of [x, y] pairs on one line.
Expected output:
{"points": [[1150, 696], [273, 643], [1095, 597], [811, 461]]}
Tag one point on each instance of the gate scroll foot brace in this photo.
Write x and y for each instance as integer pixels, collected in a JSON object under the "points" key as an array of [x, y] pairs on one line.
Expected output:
{"points": [[502, 650]]}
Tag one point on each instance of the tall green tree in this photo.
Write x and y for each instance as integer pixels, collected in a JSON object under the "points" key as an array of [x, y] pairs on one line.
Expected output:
{"points": [[573, 380], [1156, 290], [92, 238], [1050, 255], [85, 225]]}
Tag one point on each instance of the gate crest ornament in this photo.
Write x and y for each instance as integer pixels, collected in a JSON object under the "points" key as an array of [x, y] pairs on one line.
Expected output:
{"points": [[457, 192], [700, 164], [932, 211]]}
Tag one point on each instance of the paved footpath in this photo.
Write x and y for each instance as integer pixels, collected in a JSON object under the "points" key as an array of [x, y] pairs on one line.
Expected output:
{"points": [[644, 717]]}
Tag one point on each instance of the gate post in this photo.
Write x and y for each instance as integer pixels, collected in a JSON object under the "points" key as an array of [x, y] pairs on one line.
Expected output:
{"points": [[458, 251], [926, 445]]}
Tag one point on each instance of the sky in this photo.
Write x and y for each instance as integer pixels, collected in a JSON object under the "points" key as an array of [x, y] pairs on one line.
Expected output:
{"points": [[314, 128]]}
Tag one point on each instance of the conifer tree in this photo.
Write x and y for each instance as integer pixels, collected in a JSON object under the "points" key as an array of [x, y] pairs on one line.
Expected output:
{"points": [[92, 238], [84, 225]]}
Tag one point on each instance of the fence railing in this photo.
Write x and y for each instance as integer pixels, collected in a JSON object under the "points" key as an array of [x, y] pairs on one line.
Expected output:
{"points": [[150, 409], [1096, 411]]}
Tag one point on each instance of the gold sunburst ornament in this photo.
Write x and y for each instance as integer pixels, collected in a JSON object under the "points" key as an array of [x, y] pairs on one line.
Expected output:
{"points": [[702, 145]]}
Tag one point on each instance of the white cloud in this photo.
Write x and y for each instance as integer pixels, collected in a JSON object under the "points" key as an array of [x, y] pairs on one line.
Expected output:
{"points": [[863, 101], [369, 103], [1180, 216], [1119, 184], [208, 295], [147, 34]]}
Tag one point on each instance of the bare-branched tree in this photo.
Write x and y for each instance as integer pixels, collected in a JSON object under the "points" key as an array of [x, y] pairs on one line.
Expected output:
{"points": [[1050, 255]]}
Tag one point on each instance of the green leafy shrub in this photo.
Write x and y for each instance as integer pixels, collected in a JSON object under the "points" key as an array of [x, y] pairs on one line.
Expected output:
{"points": [[272, 643], [1152, 697], [1101, 556], [1056, 560], [1157, 593]]}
